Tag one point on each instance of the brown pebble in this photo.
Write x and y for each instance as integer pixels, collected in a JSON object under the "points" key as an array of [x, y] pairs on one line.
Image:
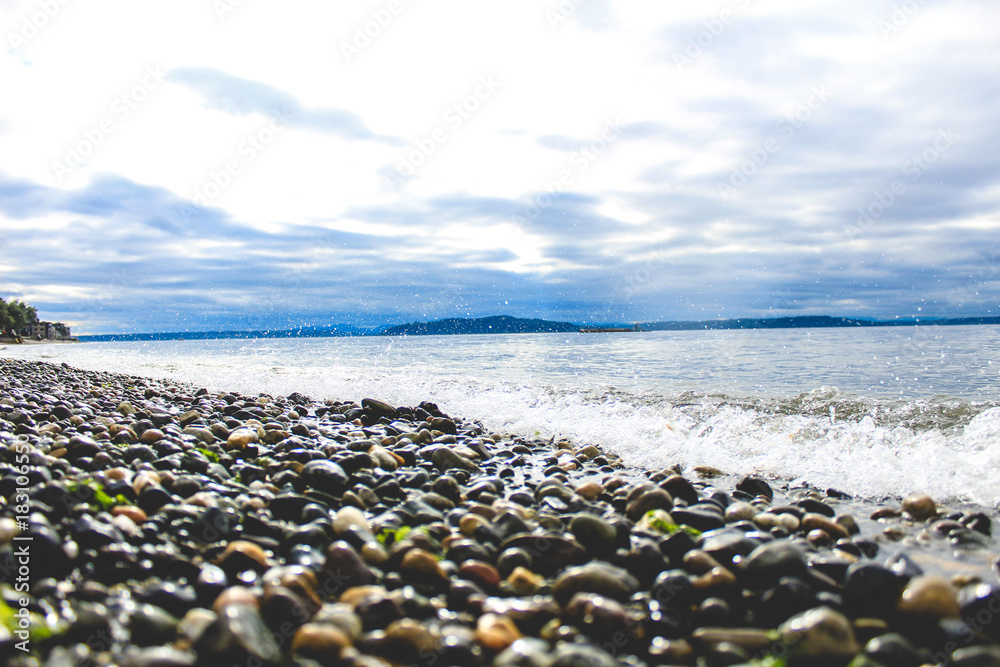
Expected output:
{"points": [[131, 511], [478, 572], [235, 595], [929, 597], [422, 566], [589, 490], [920, 507], [818, 538], [242, 555], [813, 521], [354, 595], [469, 523], [697, 561], [151, 435], [495, 633], [523, 581], [320, 641], [717, 581], [885, 513], [240, 438]]}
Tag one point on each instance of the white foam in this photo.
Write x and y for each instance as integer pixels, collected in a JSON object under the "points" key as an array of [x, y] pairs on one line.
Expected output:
{"points": [[870, 457]]}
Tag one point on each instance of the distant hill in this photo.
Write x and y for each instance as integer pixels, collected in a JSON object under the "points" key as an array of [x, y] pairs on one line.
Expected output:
{"points": [[808, 322], [505, 324], [484, 325]]}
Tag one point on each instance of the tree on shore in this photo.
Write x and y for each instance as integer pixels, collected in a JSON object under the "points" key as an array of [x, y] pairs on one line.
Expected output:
{"points": [[18, 315], [6, 321]]}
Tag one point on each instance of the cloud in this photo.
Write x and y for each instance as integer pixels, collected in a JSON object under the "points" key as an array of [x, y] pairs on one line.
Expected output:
{"points": [[241, 97]]}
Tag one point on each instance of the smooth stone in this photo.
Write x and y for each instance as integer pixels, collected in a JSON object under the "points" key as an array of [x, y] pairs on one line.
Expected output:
{"points": [[378, 408], [920, 507], [383, 458], [725, 545], [422, 567], [849, 524], [527, 652], [871, 590], [235, 596], [819, 637], [601, 617], [325, 476], [481, 573], [549, 554], [755, 486], [190, 416], [929, 597], [243, 555], [702, 517], [406, 638], [581, 655], [978, 606], [680, 488], [322, 642], [812, 521], [653, 499], [698, 562], [768, 563], [343, 569], [280, 606], [894, 650], [239, 635], [751, 640], [593, 532], [596, 577], [976, 656], [740, 511], [149, 625], [495, 633], [523, 581], [240, 438], [445, 458], [194, 623], [350, 517]]}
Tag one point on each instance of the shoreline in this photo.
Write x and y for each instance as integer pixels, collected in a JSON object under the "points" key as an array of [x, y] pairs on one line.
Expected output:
{"points": [[234, 482], [28, 341]]}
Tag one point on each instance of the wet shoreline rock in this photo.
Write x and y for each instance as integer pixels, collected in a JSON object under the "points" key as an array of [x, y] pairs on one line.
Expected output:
{"points": [[179, 526]]}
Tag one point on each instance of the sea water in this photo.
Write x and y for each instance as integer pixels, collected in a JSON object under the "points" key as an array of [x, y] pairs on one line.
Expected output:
{"points": [[876, 412]]}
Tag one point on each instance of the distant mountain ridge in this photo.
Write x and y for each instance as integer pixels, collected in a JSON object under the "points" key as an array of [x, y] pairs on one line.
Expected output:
{"points": [[506, 324], [483, 325]]}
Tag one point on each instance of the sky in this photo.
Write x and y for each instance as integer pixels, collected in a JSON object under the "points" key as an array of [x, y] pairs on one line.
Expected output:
{"points": [[240, 164]]}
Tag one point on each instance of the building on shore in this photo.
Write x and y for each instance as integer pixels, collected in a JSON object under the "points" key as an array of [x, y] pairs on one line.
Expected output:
{"points": [[47, 331]]}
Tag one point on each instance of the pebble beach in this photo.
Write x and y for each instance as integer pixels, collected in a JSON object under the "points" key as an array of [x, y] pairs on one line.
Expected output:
{"points": [[144, 522]]}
